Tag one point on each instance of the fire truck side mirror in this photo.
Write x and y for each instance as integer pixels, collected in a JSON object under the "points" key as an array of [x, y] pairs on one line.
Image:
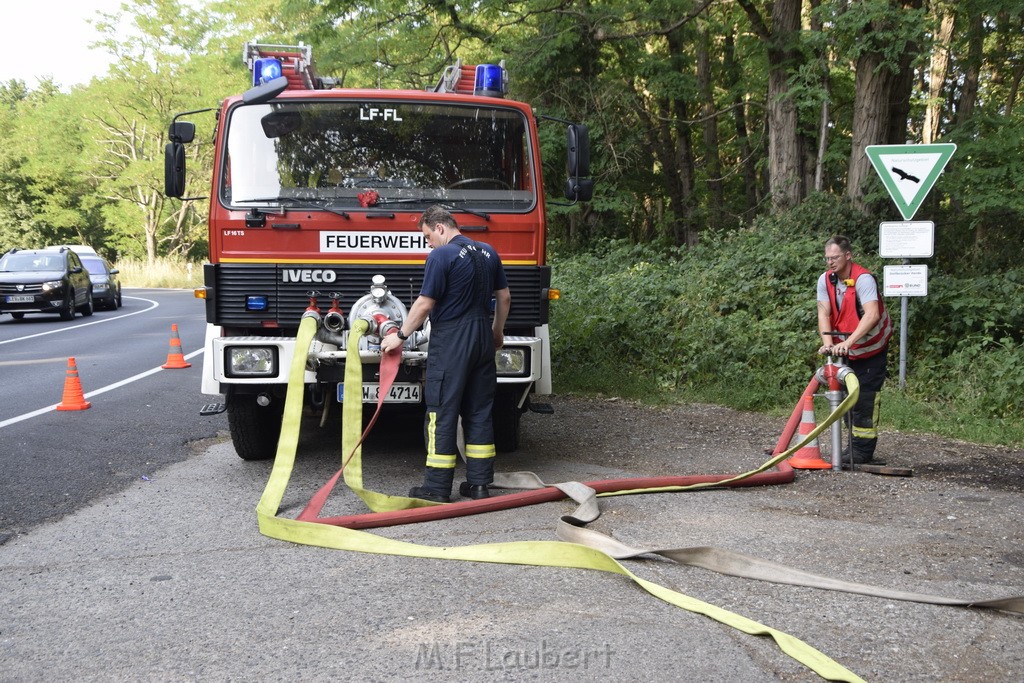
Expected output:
{"points": [[174, 169], [578, 146], [578, 187], [182, 131]]}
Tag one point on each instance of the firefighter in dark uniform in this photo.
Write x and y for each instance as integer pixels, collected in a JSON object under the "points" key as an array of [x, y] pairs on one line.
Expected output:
{"points": [[459, 279]]}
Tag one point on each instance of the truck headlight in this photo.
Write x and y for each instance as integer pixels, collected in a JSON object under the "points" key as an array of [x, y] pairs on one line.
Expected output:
{"points": [[512, 361], [250, 361]]}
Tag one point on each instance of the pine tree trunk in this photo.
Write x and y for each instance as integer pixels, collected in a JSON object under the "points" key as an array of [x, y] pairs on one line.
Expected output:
{"points": [[870, 121], [972, 72], [709, 124], [784, 156], [937, 72], [748, 162]]}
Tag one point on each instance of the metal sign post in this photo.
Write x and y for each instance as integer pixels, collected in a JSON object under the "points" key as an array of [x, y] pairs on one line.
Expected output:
{"points": [[906, 240], [908, 173], [905, 281]]}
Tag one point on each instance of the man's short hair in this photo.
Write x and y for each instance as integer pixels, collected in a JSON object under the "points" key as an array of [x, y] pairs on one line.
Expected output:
{"points": [[438, 214], [841, 241]]}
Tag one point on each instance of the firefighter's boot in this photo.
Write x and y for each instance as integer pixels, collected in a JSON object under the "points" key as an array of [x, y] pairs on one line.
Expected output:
{"points": [[474, 491], [479, 471], [437, 485]]}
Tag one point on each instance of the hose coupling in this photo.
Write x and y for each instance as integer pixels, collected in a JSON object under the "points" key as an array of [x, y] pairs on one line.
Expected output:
{"points": [[334, 320], [375, 320], [842, 371], [832, 375]]}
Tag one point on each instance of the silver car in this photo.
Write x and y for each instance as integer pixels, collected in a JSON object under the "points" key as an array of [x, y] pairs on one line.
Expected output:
{"points": [[106, 287]]}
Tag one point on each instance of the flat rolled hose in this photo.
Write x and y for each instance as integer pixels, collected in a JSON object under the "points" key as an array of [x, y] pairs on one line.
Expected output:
{"points": [[372, 520]]}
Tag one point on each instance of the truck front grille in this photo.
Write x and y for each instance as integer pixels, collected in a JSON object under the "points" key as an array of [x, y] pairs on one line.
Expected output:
{"points": [[232, 283]]}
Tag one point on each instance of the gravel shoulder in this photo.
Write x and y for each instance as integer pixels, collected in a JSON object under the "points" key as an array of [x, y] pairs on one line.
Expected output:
{"points": [[170, 580]]}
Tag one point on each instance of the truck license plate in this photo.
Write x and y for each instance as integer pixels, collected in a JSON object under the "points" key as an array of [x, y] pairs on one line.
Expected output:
{"points": [[20, 299], [399, 393]]}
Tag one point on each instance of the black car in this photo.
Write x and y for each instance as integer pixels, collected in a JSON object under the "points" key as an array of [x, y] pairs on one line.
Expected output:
{"points": [[41, 281], [106, 287]]}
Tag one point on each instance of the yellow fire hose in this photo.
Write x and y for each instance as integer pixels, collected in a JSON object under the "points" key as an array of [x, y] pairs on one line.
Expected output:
{"points": [[581, 548], [537, 553]]}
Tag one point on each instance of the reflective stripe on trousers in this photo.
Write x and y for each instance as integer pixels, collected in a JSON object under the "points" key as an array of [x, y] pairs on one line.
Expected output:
{"points": [[871, 373]]}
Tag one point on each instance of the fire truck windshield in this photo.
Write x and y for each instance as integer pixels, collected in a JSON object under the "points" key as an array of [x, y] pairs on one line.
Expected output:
{"points": [[405, 152]]}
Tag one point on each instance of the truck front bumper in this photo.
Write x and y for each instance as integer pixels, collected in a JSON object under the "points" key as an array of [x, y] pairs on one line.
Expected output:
{"points": [[267, 360]]}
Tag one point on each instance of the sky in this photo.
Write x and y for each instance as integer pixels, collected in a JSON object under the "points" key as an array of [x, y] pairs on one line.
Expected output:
{"points": [[51, 38]]}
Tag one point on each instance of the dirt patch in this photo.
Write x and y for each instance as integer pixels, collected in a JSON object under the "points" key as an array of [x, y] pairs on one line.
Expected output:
{"points": [[709, 436]]}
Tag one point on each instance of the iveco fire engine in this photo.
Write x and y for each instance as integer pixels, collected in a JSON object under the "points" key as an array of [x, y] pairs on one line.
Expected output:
{"points": [[315, 202]]}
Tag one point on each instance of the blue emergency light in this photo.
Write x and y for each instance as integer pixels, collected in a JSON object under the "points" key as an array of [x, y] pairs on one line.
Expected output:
{"points": [[265, 70], [490, 81], [256, 303]]}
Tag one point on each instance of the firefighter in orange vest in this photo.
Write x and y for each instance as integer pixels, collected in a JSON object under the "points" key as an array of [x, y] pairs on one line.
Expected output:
{"points": [[849, 302]]}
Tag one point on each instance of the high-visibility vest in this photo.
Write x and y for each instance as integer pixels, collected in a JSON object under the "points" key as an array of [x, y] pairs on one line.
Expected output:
{"points": [[846, 318]]}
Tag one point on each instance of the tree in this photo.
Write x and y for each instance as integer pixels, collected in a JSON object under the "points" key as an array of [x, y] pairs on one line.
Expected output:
{"points": [[160, 71], [702, 113], [47, 194], [883, 37], [782, 38]]}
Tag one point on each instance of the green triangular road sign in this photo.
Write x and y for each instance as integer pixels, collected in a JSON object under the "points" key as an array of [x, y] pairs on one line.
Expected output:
{"points": [[909, 171]]}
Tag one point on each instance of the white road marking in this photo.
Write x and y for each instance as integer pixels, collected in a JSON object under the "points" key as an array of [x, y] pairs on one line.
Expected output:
{"points": [[94, 322], [33, 361], [102, 390]]}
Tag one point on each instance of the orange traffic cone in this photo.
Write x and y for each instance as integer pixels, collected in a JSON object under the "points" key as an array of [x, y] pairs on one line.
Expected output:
{"points": [[175, 359], [73, 398], [808, 457]]}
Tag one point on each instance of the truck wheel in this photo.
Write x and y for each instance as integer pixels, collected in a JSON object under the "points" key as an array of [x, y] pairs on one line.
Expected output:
{"points": [[254, 428], [505, 418]]}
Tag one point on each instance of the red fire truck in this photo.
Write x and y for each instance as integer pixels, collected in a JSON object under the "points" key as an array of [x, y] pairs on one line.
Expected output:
{"points": [[314, 205]]}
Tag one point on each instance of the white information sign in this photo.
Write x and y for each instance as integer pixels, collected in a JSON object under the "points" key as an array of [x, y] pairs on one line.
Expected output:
{"points": [[356, 242], [906, 239], [905, 281]]}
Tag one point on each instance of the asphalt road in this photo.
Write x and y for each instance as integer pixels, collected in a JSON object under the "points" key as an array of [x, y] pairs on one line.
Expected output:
{"points": [[164, 575], [141, 417]]}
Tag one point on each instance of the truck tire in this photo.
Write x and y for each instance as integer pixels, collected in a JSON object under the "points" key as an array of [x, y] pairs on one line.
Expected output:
{"points": [[505, 417], [254, 428]]}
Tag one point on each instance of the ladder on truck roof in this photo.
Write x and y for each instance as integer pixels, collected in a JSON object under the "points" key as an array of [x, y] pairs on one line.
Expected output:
{"points": [[296, 63]]}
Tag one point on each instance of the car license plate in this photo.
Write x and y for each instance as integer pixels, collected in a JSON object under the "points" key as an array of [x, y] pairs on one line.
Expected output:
{"points": [[399, 393], [20, 299]]}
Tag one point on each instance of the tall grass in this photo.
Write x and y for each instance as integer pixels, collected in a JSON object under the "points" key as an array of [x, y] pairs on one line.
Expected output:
{"points": [[165, 273]]}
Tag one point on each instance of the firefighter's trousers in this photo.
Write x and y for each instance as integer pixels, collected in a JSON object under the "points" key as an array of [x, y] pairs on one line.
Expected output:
{"points": [[461, 379], [871, 373]]}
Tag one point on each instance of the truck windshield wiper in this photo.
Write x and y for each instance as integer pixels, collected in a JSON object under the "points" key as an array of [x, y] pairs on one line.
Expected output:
{"points": [[444, 205], [297, 203]]}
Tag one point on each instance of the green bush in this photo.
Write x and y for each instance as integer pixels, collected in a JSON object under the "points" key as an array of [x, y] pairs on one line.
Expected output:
{"points": [[733, 320]]}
